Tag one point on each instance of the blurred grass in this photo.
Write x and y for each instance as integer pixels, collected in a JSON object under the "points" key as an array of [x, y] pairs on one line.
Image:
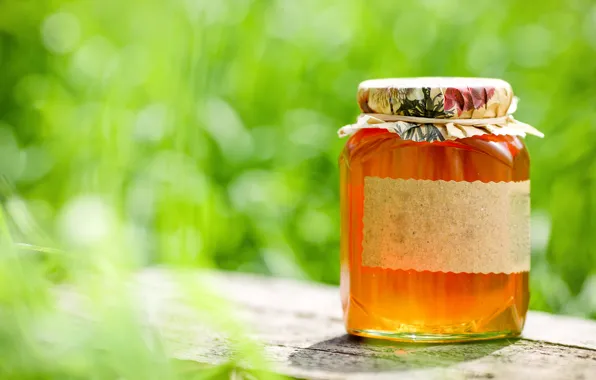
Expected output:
{"points": [[203, 133]]}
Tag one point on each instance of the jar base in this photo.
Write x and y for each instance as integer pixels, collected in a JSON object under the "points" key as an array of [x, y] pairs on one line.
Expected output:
{"points": [[432, 337]]}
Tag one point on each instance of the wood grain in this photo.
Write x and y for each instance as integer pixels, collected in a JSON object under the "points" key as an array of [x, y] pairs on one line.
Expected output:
{"points": [[299, 327]]}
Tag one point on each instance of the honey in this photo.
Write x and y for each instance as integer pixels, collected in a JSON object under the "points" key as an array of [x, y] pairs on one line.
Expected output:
{"points": [[411, 304]]}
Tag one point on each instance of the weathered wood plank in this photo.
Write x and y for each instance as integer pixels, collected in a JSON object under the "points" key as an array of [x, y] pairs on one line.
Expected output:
{"points": [[561, 330], [300, 327]]}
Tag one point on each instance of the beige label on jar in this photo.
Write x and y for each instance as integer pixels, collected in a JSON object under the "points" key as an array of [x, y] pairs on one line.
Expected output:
{"points": [[446, 226]]}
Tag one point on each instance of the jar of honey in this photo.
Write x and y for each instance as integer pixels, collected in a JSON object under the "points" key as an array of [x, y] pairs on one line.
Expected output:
{"points": [[435, 211]]}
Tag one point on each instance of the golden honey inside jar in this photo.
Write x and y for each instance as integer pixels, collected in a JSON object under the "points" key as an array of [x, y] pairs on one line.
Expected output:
{"points": [[435, 211]]}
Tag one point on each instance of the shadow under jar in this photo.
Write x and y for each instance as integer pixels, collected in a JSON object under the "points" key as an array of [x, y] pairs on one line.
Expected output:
{"points": [[435, 240]]}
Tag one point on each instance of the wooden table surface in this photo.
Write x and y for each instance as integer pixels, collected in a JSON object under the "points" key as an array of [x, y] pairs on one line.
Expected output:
{"points": [[300, 327]]}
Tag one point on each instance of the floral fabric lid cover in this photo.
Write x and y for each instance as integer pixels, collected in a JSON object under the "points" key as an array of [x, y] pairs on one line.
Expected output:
{"points": [[438, 109]]}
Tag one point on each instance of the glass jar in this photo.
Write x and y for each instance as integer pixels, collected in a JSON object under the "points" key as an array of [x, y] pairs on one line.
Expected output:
{"points": [[435, 212]]}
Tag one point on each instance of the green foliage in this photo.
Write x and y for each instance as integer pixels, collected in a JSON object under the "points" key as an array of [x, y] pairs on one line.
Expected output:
{"points": [[203, 133]]}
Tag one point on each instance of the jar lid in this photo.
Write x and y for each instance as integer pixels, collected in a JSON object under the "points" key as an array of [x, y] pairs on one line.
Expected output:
{"points": [[438, 109], [436, 97]]}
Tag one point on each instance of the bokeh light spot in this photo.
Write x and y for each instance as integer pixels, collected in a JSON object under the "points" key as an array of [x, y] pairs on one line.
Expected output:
{"points": [[86, 220], [60, 32]]}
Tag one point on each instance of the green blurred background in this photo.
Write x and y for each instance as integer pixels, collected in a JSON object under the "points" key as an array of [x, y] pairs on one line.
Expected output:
{"points": [[208, 128], [203, 133]]}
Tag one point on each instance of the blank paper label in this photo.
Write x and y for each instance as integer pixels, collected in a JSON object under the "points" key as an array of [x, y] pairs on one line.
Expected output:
{"points": [[446, 226]]}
